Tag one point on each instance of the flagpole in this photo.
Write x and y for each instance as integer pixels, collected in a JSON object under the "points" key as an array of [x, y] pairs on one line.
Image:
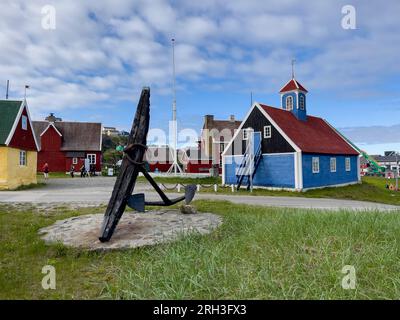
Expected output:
{"points": [[26, 87], [175, 168]]}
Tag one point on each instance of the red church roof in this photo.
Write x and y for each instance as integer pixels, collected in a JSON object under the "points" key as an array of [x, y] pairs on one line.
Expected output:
{"points": [[314, 135], [292, 85]]}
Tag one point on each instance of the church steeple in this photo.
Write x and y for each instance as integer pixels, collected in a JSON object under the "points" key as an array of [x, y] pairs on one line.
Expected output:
{"points": [[293, 97]]}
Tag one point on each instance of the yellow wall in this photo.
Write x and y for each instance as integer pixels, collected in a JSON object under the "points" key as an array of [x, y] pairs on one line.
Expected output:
{"points": [[3, 167], [12, 175]]}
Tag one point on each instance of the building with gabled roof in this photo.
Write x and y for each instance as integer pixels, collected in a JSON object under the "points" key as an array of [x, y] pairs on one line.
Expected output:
{"points": [[63, 144], [287, 148], [215, 136], [194, 160], [18, 145]]}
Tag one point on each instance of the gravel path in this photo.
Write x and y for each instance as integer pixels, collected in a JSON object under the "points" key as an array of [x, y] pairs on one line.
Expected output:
{"points": [[97, 190]]}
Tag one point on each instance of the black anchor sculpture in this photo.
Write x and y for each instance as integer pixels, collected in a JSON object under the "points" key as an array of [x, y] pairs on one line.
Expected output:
{"points": [[132, 164]]}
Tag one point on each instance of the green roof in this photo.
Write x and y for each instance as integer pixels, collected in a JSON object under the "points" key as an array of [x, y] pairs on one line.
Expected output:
{"points": [[8, 112]]}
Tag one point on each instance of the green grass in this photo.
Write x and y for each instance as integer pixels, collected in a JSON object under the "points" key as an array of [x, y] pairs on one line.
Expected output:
{"points": [[184, 180], [371, 189], [258, 253]]}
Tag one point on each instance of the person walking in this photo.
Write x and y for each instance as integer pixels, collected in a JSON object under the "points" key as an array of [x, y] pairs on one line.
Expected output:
{"points": [[46, 171], [72, 170], [83, 171]]}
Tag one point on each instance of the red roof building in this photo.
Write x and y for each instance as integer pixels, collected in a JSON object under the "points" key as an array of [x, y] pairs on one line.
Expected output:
{"points": [[287, 148], [315, 135], [64, 144]]}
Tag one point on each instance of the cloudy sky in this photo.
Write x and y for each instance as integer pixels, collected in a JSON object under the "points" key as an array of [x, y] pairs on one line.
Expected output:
{"points": [[92, 66]]}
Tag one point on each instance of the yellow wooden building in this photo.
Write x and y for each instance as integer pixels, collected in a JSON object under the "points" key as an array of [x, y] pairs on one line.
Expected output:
{"points": [[18, 146]]}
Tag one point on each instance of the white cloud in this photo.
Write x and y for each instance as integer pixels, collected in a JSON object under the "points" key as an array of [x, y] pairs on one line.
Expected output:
{"points": [[114, 47]]}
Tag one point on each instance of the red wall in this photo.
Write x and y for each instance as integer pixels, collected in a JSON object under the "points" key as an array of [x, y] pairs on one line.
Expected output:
{"points": [[195, 167], [23, 139], [81, 161], [50, 153], [162, 167]]}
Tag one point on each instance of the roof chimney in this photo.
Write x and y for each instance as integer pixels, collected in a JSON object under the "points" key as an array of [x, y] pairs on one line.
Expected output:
{"points": [[208, 120], [232, 118], [52, 118]]}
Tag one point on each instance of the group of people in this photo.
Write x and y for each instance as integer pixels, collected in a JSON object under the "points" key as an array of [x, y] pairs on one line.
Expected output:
{"points": [[82, 170]]}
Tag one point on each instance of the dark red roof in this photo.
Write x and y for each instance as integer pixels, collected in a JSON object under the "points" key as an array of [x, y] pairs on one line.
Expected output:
{"points": [[76, 136], [313, 135], [293, 85]]}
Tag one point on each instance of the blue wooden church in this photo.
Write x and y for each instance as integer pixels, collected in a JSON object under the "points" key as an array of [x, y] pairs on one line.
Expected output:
{"points": [[286, 148]]}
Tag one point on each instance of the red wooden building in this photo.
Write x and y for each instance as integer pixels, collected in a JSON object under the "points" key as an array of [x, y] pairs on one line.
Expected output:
{"points": [[195, 161], [63, 144], [159, 158]]}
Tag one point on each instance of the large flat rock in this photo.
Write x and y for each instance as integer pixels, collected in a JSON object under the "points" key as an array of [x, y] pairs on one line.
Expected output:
{"points": [[133, 230]]}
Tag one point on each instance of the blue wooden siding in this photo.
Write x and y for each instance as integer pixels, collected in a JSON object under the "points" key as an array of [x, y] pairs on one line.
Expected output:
{"points": [[325, 177], [293, 95], [300, 114], [273, 170]]}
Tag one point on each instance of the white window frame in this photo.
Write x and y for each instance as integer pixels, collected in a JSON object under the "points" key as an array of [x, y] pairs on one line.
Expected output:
{"points": [[24, 122], [287, 103], [347, 164], [246, 134], [90, 156], [315, 164], [22, 158], [74, 160], [302, 102], [267, 132], [333, 164]]}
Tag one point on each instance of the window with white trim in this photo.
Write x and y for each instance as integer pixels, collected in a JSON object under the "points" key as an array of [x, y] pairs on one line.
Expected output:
{"points": [[74, 160], [22, 158], [347, 164], [267, 132], [333, 164], [246, 134], [289, 103], [315, 164], [24, 122], [302, 102], [92, 158]]}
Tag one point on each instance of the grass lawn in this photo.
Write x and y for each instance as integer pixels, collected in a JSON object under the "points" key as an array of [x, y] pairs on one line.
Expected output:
{"points": [[258, 253], [184, 180], [372, 189]]}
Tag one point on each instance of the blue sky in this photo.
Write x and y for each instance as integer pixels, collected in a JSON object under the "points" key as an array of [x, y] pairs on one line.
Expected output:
{"points": [[92, 66]]}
